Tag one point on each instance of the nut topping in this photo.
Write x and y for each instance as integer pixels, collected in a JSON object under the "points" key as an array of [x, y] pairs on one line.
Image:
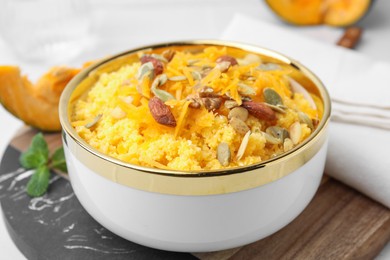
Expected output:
{"points": [[239, 126], [157, 65], [168, 54], [238, 112], [161, 112], [207, 92], [212, 103], [259, 110], [223, 154], [227, 58]]}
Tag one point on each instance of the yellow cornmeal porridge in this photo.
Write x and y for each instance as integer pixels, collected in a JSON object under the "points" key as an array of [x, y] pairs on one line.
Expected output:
{"points": [[183, 110]]}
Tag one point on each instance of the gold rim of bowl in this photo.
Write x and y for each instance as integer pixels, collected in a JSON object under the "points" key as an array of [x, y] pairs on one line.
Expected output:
{"points": [[183, 182]]}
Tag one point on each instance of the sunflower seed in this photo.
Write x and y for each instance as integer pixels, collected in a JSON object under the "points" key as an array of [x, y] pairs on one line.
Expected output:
{"points": [[239, 126], [305, 119], [295, 132], [240, 113], [243, 146], [245, 90], [94, 121], [223, 154], [178, 78]]}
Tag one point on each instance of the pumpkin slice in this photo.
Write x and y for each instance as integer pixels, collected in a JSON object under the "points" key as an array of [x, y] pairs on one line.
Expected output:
{"points": [[35, 104], [314, 12]]}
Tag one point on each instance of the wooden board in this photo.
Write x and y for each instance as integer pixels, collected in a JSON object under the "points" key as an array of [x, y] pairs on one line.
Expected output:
{"points": [[339, 223]]}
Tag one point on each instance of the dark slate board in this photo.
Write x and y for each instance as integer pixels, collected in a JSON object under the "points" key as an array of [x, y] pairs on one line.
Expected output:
{"points": [[56, 226]]}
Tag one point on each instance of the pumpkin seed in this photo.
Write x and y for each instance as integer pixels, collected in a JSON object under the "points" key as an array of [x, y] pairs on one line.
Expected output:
{"points": [[158, 81], [223, 154], [298, 88], [238, 112], [278, 132], [250, 78], [270, 139], [146, 69], [268, 67], [272, 97], [244, 89], [295, 132], [230, 104], [238, 125], [162, 94], [279, 109], [305, 119], [178, 78], [159, 57], [196, 75], [94, 121], [243, 146], [288, 144]]}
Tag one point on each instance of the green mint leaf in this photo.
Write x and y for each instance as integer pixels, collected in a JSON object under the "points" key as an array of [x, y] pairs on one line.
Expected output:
{"points": [[31, 159], [39, 181], [58, 160], [37, 154]]}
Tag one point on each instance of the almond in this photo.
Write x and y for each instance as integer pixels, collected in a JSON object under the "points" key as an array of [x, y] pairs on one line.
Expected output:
{"points": [[161, 112], [260, 110]]}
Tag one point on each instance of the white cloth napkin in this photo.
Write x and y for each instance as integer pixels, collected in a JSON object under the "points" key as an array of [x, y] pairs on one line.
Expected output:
{"points": [[359, 144]]}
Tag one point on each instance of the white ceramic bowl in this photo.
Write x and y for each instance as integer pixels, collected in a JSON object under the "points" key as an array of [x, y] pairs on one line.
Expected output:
{"points": [[197, 211]]}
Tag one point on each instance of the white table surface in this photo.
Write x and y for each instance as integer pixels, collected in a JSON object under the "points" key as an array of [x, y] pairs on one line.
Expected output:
{"points": [[119, 25]]}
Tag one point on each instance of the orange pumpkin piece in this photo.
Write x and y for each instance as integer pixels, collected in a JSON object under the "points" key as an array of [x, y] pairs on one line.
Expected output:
{"points": [[314, 12], [35, 104]]}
